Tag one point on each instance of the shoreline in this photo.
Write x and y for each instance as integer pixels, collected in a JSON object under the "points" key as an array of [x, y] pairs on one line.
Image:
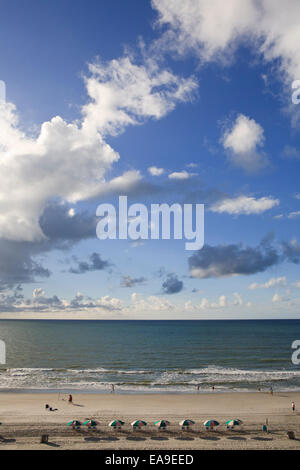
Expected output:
{"points": [[28, 391], [24, 418]]}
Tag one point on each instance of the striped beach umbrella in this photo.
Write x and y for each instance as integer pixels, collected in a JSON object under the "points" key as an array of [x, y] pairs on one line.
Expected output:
{"points": [[234, 422], [211, 423], [90, 423], [186, 422], [162, 423], [74, 423], [138, 423], [116, 423]]}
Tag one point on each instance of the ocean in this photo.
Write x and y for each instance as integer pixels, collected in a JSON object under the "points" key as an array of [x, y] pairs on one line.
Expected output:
{"points": [[149, 356]]}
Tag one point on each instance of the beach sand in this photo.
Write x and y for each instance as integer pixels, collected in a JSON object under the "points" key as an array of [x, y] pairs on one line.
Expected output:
{"points": [[24, 418]]}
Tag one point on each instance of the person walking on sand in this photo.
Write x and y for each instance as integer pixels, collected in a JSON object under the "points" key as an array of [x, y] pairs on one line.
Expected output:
{"points": [[70, 399], [293, 406]]}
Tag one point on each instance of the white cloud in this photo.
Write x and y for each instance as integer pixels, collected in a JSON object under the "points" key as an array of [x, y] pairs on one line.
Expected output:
{"points": [[242, 140], [214, 29], [124, 93], [180, 175], [296, 284], [293, 215], [277, 298], [273, 282], [150, 304], [237, 299], [154, 171], [69, 161], [221, 303], [244, 205]]}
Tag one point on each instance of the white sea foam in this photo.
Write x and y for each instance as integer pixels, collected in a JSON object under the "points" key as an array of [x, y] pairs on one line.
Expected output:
{"points": [[156, 380]]}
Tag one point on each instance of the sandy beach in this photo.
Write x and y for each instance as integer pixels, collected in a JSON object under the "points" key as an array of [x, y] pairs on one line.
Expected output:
{"points": [[24, 418]]}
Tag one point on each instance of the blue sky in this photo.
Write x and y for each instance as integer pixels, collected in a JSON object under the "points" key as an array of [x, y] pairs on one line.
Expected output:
{"points": [[98, 93]]}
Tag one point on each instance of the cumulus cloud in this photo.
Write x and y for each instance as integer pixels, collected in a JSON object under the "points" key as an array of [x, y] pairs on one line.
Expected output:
{"points": [[244, 205], [279, 298], [59, 222], [180, 175], [213, 30], [294, 215], [128, 281], [229, 260], [95, 263], [172, 285], [124, 93], [222, 303], [273, 282], [243, 141], [69, 161], [152, 303], [21, 262], [154, 171]]}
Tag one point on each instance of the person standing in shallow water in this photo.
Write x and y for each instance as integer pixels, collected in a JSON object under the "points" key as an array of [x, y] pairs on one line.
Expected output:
{"points": [[112, 388]]}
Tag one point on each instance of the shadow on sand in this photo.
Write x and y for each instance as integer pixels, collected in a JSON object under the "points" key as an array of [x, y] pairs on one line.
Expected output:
{"points": [[262, 438], [210, 438], [51, 444], [6, 441], [159, 438], [184, 438]]}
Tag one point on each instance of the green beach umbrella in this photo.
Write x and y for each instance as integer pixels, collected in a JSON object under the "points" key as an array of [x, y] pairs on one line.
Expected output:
{"points": [[116, 423], [138, 423], [162, 423], [74, 423], [210, 423], [186, 422], [234, 422], [90, 423]]}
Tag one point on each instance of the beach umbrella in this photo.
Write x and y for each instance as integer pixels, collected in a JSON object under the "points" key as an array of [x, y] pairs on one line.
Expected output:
{"points": [[116, 423], [234, 422], [162, 423], [91, 423], [210, 423], [138, 423], [186, 422], [74, 423]]}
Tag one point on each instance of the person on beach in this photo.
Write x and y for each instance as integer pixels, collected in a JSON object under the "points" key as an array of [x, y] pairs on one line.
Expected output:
{"points": [[198, 388], [293, 406], [112, 388], [213, 388], [271, 390], [70, 399]]}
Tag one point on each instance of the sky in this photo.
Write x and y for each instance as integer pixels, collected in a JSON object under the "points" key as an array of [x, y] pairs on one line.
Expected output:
{"points": [[163, 101]]}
